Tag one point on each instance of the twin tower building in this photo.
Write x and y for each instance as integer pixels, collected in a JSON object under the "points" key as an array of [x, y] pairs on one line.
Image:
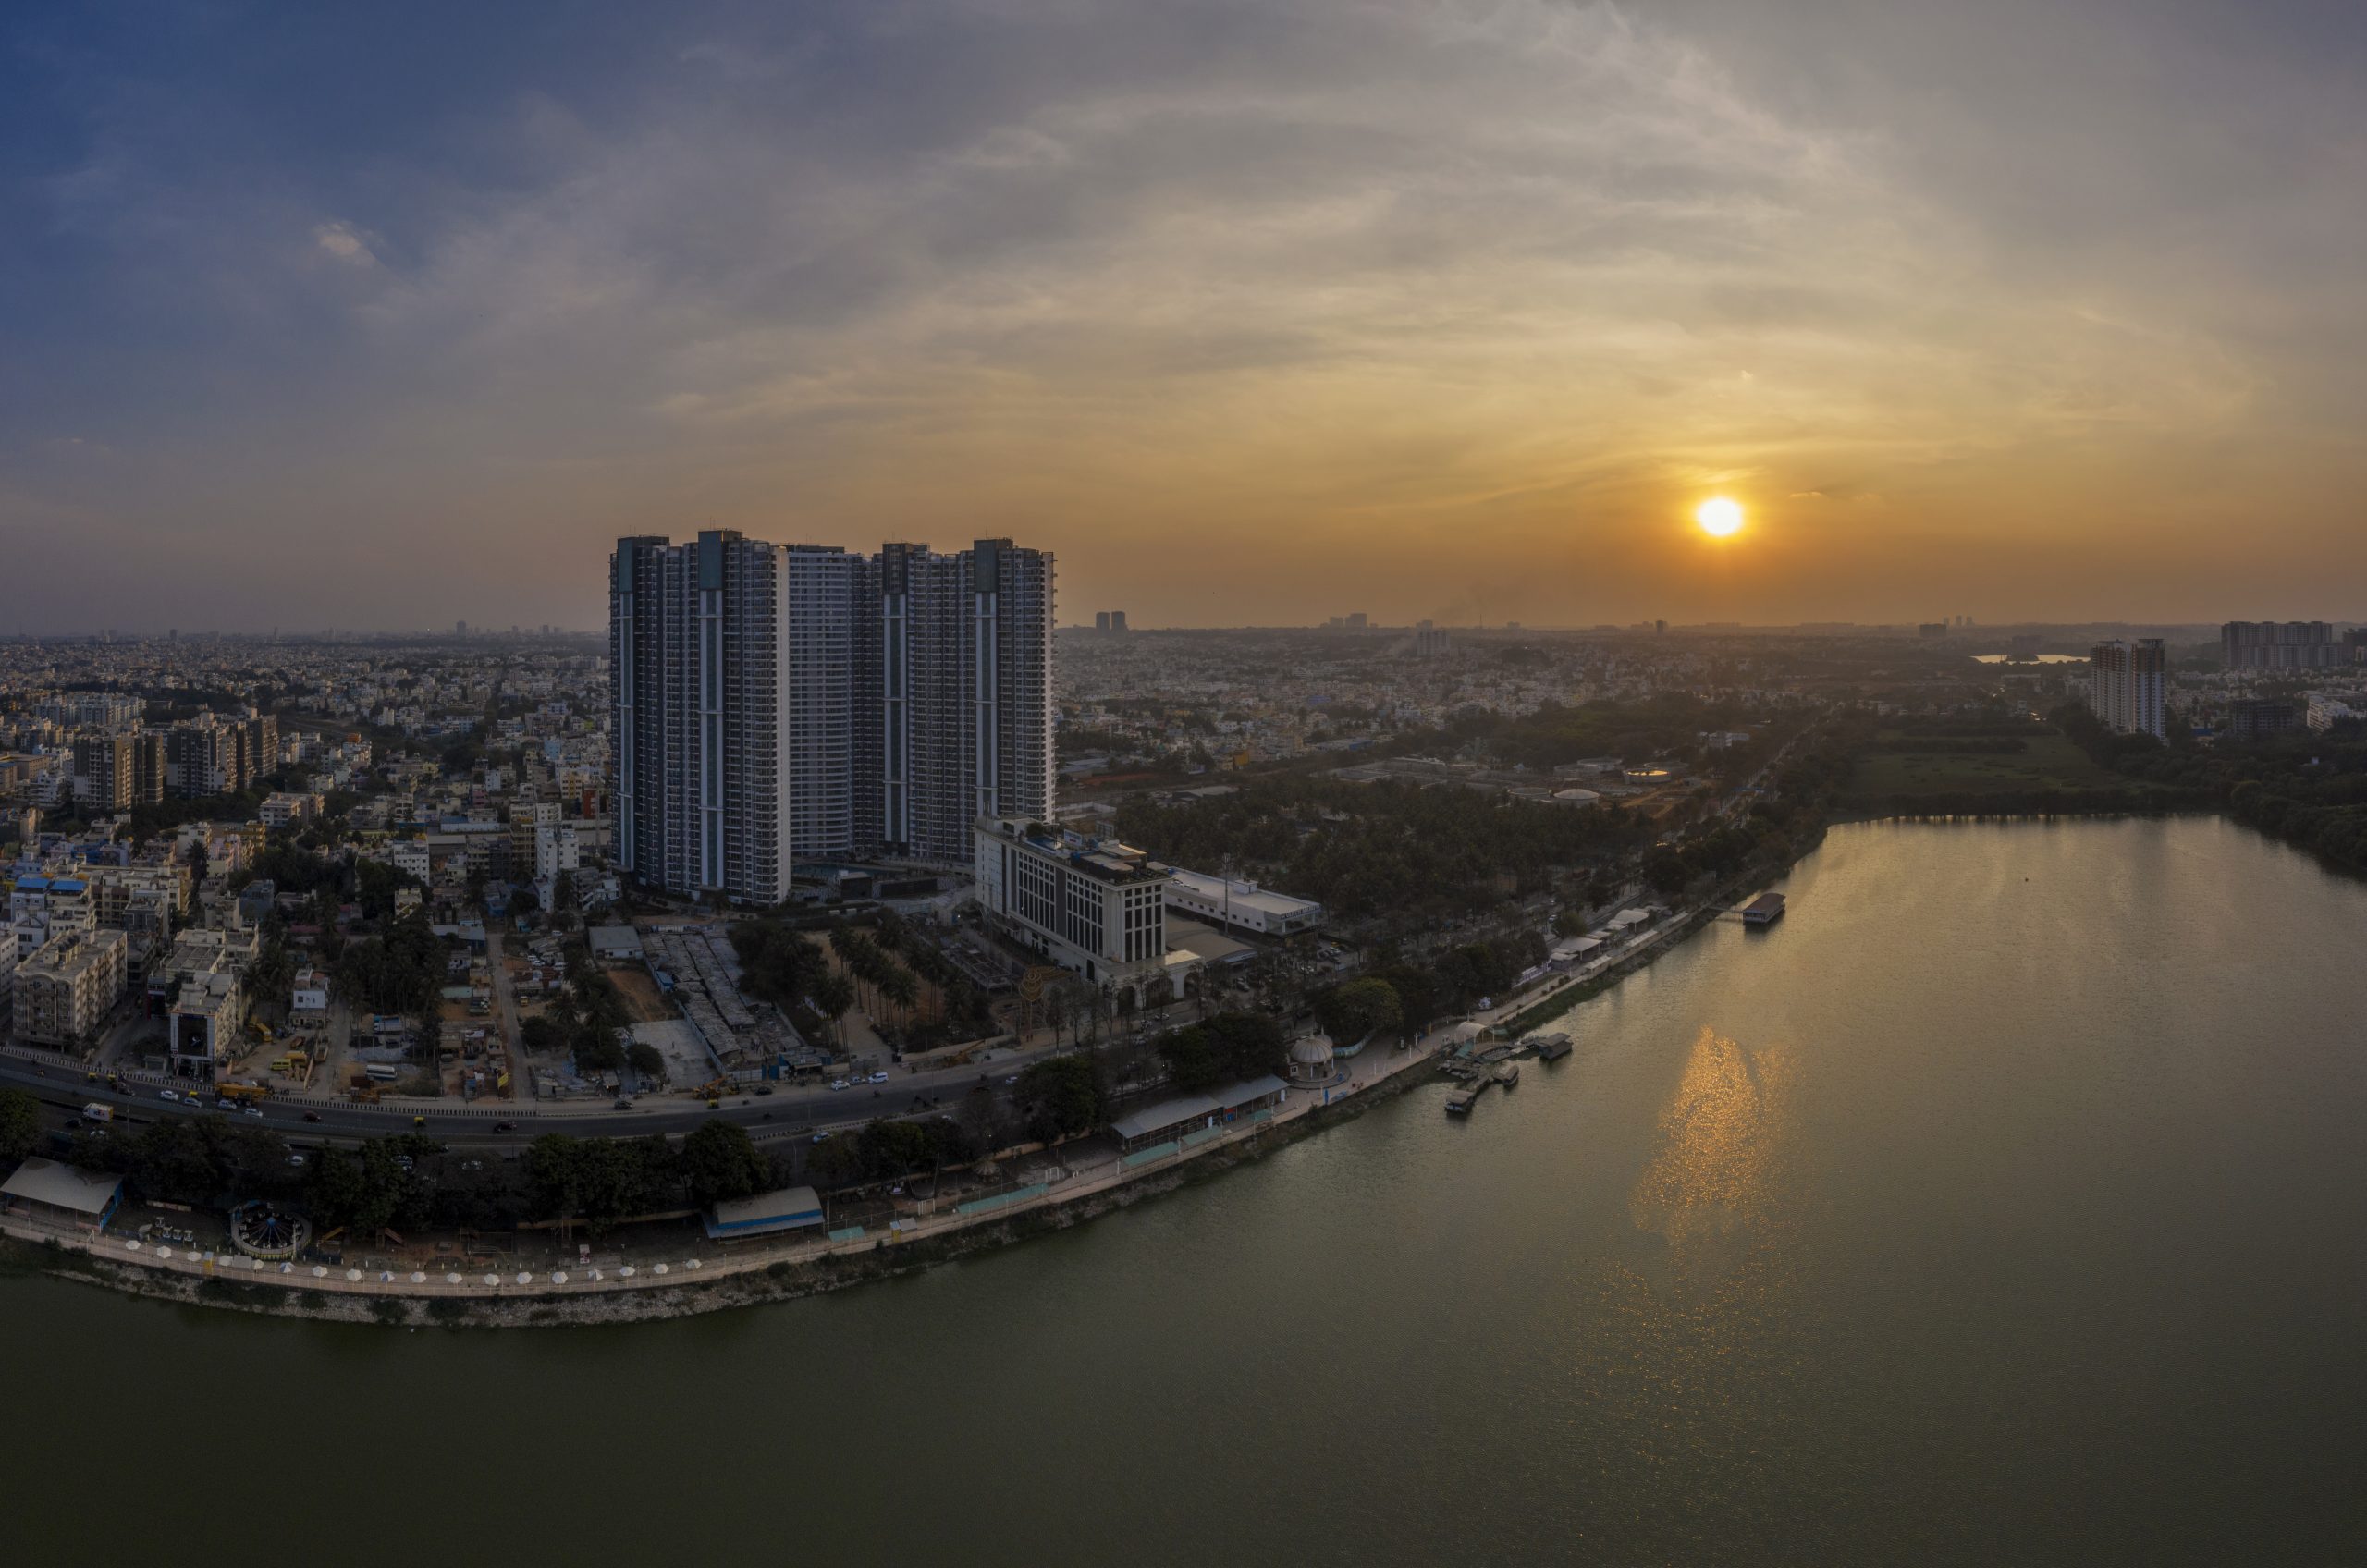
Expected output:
{"points": [[794, 702]]}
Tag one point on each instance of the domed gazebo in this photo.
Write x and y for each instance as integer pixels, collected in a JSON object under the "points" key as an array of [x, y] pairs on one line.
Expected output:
{"points": [[1311, 1062]]}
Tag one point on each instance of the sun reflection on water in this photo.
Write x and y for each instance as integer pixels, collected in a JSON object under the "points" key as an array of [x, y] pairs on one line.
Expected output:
{"points": [[1709, 1193]]}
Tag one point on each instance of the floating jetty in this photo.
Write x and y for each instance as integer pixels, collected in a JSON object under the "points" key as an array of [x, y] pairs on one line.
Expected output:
{"points": [[1548, 1048], [1764, 910], [1476, 1080]]}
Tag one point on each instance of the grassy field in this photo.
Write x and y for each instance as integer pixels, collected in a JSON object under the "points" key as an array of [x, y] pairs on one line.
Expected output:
{"points": [[2048, 764]]}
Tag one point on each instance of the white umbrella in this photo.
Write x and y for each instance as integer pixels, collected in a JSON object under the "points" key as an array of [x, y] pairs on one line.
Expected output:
{"points": [[319, 1272], [559, 1277], [287, 1269], [451, 1279], [524, 1278], [386, 1276], [417, 1277], [354, 1274], [658, 1268], [626, 1272], [255, 1264], [693, 1263], [131, 1246], [493, 1279], [163, 1251], [594, 1275]]}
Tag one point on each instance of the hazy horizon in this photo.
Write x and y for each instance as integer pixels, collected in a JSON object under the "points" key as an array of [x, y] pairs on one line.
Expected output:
{"points": [[1253, 314]]}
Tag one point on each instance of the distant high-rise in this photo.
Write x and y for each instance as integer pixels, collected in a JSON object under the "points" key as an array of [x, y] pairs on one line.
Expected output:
{"points": [[779, 701], [2274, 644], [103, 771], [1117, 620], [1101, 620], [460, 629], [2129, 678], [1356, 621]]}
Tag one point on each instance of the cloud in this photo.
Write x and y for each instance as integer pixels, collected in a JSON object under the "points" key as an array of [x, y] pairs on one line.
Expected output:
{"points": [[338, 239], [1429, 277]]}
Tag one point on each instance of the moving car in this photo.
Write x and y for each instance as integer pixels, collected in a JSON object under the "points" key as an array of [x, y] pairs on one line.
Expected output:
{"points": [[312, 1116], [505, 1126], [838, 1083], [167, 1094], [879, 1077]]}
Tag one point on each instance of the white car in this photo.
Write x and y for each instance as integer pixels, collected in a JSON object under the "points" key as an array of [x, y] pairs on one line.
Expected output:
{"points": [[838, 1083], [167, 1094], [879, 1077]]}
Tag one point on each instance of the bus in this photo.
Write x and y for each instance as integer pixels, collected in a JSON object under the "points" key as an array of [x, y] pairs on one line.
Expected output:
{"points": [[383, 1072], [242, 1093]]}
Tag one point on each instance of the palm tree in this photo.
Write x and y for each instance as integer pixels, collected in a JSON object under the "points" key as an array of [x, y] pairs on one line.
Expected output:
{"points": [[833, 995], [898, 986]]}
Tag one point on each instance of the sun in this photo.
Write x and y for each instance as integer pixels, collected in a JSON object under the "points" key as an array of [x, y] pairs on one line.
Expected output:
{"points": [[1719, 518]]}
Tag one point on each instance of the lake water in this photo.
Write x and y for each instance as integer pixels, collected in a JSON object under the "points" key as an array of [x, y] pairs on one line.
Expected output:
{"points": [[2006, 1203]]}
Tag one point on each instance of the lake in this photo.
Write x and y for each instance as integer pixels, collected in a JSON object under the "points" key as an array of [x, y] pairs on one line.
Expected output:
{"points": [[2006, 1203]]}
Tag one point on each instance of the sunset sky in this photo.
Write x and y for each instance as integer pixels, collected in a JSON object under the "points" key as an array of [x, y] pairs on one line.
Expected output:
{"points": [[1254, 312]]}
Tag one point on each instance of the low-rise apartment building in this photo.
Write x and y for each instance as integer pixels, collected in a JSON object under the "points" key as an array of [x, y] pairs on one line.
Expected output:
{"points": [[63, 991]]}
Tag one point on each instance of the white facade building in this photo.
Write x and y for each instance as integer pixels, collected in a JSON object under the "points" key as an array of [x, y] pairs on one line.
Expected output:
{"points": [[1244, 906], [1098, 910]]}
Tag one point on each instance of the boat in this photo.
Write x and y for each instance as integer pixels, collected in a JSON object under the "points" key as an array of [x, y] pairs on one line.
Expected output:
{"points": [[1553, 1049], [1459, 1102], [1508, 1074]]}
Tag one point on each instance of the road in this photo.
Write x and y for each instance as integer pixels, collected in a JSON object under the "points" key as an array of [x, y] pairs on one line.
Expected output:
{"points": [[506, 1021], [785, 1111]]}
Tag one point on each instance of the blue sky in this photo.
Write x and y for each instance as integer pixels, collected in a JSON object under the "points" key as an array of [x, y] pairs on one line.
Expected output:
{"points": [[388, 316]]}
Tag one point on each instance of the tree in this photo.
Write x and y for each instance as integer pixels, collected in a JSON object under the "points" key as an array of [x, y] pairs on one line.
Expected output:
{"points": [[1360, 1009], [722, 1162], [1062, 1096], [646, 1058], [19, 1123], [833, 996]]}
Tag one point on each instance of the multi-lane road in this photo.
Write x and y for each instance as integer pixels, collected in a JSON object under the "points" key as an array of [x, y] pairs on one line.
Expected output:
{"points": [[494, 1124]]}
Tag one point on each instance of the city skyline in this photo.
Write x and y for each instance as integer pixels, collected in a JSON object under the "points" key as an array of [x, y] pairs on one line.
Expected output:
{"points": [[1454, 313]]}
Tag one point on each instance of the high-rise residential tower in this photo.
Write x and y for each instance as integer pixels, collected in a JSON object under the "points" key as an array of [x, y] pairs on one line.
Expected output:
{"points": [[772, 703], [730, 692], [2128, 680], [957, 697]]}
